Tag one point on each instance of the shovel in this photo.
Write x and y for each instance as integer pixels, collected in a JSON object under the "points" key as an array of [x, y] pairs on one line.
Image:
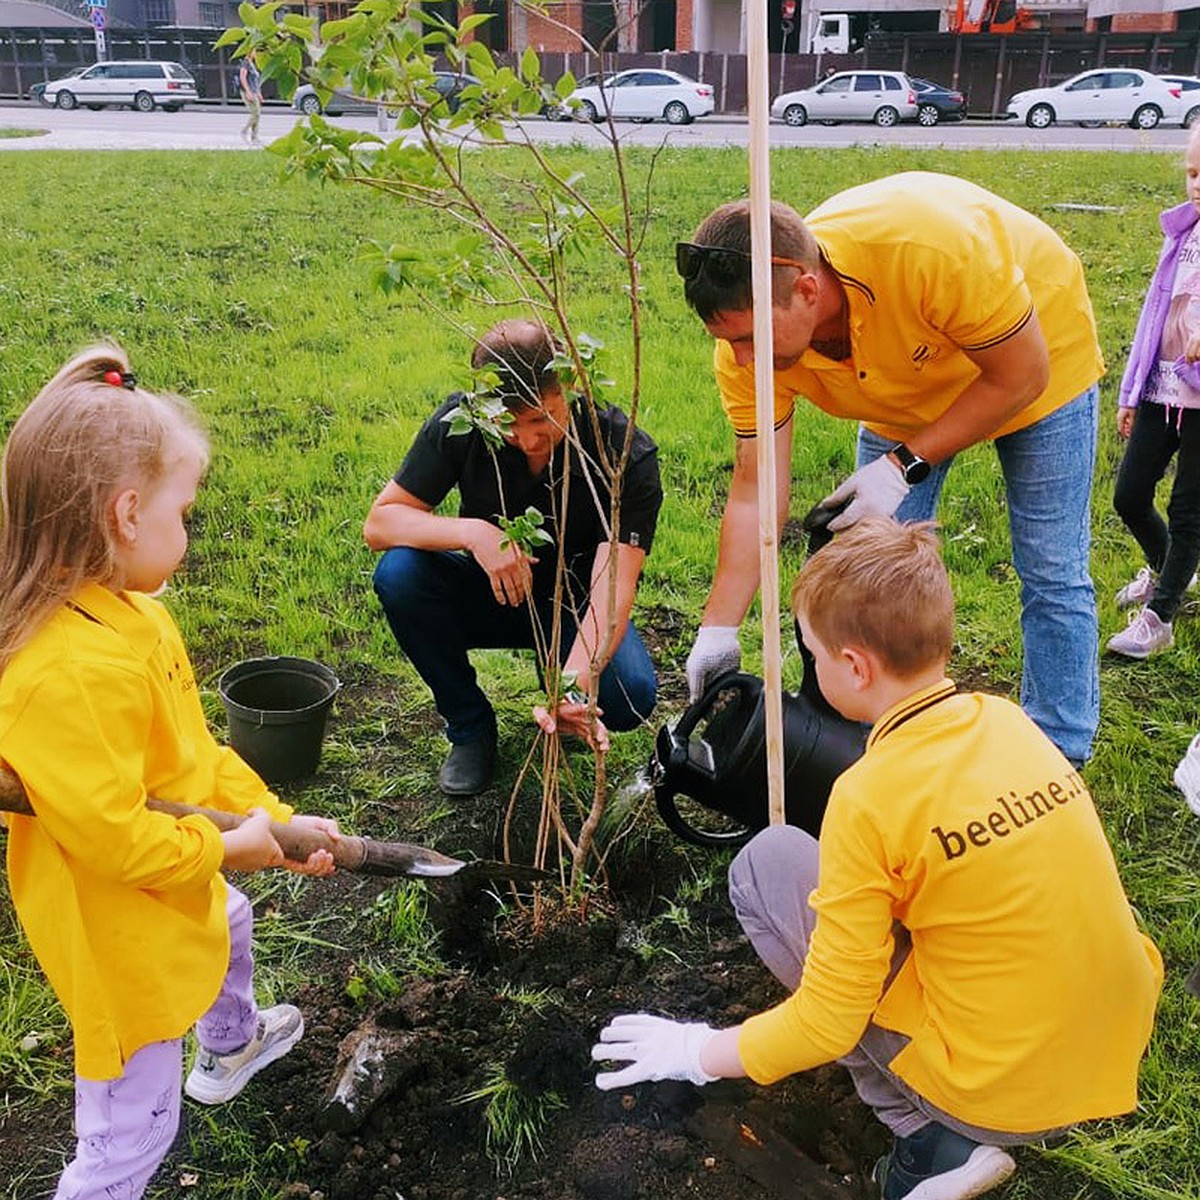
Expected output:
{"points": [[358, 855]]}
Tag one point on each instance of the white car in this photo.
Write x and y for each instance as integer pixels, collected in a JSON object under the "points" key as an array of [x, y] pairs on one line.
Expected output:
{"points": [[140, 83], [884, 97], [643, 95], [1125, 94], [1189, 87]]}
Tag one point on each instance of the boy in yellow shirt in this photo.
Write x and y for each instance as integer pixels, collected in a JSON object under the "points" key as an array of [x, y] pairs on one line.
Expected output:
{"points": [[968, 951]]}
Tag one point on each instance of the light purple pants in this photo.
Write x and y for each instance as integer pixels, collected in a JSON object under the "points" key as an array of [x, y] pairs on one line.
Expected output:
{"points": [[125, 1126], [770, 882]]}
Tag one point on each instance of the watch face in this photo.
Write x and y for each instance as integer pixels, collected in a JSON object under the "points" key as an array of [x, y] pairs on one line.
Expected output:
{"points": [[914, 468], [916, 471]]}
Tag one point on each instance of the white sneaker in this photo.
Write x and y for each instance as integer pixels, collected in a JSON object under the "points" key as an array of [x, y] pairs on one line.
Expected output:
{"points": [[1187, 775], [1145, 635], [1140, 589], [215, 1078]]}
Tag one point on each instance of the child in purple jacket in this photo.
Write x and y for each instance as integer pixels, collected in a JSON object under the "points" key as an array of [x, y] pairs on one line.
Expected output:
{"points": [[1159, 414]]}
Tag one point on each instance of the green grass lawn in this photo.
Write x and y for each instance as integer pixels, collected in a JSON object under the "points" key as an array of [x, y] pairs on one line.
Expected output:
{"points": [[243, 292]]}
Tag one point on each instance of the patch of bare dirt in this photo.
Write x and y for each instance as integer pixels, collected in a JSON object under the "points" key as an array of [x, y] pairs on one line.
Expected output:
{"points": [[522, 1002]]}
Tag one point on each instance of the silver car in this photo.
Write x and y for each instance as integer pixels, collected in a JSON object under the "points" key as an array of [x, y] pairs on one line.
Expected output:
{"points": [[139, 83], [884, 97]]}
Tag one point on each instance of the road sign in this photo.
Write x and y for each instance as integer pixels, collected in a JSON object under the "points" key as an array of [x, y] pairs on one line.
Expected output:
{"points": [[97, 3], [98, 18], [101, 46]]}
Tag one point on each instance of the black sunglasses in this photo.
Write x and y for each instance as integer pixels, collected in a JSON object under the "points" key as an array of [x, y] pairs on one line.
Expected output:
{"points": [[720, 263]]}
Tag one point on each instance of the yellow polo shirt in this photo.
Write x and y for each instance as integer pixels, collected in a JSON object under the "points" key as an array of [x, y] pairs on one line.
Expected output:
{"points": [[123, 907], [1029, 992], [932, 266]]}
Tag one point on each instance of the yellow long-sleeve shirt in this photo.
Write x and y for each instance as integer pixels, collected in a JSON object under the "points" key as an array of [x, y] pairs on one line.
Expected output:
{"points": [[124, 907], [1029, 992]]}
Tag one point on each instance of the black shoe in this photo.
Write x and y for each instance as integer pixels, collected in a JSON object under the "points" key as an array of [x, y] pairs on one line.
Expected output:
{"points": [[468, 768], [938, 1164]]}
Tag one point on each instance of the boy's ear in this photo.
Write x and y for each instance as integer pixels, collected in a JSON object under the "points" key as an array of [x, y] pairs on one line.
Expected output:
{"points": [[125, 515], [863, 665]]}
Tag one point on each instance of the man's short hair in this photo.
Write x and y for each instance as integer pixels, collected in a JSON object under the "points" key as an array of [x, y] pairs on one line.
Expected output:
{"points": [[881, 585], [711, 292], [521, 352]]}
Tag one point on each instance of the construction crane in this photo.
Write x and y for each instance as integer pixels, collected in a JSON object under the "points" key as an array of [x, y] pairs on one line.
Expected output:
{"points": [[990, 16]]}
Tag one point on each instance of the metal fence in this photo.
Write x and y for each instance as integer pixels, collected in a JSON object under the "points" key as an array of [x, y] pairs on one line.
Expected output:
{"points": [[28, 56], [987, 68]]}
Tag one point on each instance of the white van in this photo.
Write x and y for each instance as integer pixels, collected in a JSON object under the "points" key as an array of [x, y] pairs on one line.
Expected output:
{"points": [[140, 83]]}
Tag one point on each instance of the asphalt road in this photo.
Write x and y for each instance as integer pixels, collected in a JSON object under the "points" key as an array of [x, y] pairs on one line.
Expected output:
{"points": [[202, 128]]}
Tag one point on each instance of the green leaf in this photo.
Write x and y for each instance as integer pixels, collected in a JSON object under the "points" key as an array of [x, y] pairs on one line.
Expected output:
{"points": [[472, 22], [231, 37], [331, 31], [303, 27], [531, 66], [565, 86], [482, 62]]}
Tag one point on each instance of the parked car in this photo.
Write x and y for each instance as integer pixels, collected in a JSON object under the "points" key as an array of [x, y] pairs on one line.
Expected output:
{"points": [[884, 97], [140, 83], [38, 90], [642, 95], [449, 85], [1191, 103], [936, 103], [1125, 94], [561, 111]]}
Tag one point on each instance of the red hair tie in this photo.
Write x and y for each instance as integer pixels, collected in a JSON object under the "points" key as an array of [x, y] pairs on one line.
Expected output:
{"points": [[123, 379]]}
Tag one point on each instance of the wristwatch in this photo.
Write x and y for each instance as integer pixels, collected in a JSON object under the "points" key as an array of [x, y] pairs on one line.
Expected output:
{"points": [[912, 466]]}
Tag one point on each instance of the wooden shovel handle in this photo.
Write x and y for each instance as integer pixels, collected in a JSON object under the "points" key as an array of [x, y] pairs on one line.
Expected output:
{"points": [[356, 854]]}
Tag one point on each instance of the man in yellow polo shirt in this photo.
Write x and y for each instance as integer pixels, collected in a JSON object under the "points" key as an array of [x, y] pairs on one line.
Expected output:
{"points": [[937, 315]]}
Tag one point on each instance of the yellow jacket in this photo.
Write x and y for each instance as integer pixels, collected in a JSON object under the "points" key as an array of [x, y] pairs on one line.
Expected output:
{"points": [[932, 266], [1029, 993], [124, 907]]}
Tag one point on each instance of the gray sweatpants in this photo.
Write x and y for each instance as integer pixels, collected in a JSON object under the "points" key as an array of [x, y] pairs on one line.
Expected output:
{"points": [[769, 884]]}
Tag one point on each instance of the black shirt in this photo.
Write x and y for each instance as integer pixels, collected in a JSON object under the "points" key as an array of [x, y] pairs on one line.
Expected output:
{"points": [[494, 483]]}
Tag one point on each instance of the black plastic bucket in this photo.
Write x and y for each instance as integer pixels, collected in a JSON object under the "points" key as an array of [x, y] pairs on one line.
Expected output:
{"points": [[277, 709]]}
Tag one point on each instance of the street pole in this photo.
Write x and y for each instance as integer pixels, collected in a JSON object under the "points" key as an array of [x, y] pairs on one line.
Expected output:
{"points": [[98, 14]]}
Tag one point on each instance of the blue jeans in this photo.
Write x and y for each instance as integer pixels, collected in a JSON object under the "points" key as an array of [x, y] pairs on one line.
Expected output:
{"points": [[1048, 470], [439, 604]]}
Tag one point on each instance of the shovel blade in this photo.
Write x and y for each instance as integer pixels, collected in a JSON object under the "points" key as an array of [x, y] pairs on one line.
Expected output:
{"points": [[481, 873]]}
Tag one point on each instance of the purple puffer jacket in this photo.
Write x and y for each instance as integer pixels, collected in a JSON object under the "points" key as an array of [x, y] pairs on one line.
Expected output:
{"points": [[1143, 354]]}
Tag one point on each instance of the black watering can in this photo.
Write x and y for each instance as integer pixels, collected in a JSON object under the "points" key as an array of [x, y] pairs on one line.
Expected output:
{"points": [[715, 754]]}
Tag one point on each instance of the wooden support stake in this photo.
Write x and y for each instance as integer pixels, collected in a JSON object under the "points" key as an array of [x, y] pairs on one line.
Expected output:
{"points": [[764, 384]]}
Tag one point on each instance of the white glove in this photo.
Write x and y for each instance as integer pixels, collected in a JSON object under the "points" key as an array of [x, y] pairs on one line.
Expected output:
{"points": [[655, 1047], [876, 490], [716, 650]]}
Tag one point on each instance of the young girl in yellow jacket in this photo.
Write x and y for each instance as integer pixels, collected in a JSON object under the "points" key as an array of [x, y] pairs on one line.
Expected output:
{"points": [[125, 908]]}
